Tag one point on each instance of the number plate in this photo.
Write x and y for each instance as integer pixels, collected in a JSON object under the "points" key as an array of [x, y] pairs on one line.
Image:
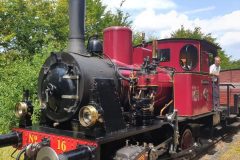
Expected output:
{"points": [[59, 143]]}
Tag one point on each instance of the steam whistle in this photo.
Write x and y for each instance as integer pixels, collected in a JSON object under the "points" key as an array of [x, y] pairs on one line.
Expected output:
{"points": [[154, 49], [143, 39]]}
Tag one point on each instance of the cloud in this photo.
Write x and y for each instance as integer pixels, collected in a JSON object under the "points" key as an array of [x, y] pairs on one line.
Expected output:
{"points": [[230, 38], [149, 20], [230, 42], [228, 22], [225, 28], [140, 4], [200, 10], [159, 18]]}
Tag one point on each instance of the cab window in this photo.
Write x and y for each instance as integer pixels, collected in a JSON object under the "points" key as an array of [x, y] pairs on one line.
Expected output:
{"points": [[188, 58], [164, 55]]}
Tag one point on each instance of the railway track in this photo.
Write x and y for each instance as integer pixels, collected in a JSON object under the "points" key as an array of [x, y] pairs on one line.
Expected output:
{"points": [[204, 144]]}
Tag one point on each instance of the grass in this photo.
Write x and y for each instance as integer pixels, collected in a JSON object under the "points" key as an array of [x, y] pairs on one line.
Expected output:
{"points": [[5, 153]]}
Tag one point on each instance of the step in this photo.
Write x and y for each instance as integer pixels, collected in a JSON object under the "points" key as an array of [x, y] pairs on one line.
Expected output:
{"points": [[218, 127], [231, 116], [234, 124], [238, 119]]}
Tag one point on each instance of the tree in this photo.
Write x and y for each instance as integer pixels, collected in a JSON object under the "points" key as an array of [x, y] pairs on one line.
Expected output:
{"points": [[30, 25], [25, 24], [37, 26], [196, 33]]}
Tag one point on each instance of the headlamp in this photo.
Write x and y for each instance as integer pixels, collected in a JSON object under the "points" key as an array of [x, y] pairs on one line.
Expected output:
{"points": [[21, 109], [88, 116]]}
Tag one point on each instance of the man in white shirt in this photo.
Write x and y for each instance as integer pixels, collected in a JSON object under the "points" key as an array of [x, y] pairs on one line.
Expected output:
{"points": [[214, 72]]}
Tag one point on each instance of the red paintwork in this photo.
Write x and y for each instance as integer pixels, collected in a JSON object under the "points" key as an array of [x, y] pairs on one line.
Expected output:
{"points": [[139, 53], [229, 76], [189, 94], [70, 143], [117, 44], [205, 62], [175, 47], [162, 80]]}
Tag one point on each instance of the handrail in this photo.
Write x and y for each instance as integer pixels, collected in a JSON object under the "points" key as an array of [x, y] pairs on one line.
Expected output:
{"points": [[228, 97]]}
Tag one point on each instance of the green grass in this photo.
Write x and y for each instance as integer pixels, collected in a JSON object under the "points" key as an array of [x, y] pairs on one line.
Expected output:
{"points": [[5, 153]]}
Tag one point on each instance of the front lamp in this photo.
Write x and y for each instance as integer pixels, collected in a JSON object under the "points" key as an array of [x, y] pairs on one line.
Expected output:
{"points": [[88, 116], [21, 109]]}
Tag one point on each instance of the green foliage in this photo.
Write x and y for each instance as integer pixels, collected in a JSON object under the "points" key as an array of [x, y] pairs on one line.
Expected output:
{"points": [[25, 24], [235, 64], [16, 73], [137, 38], [196, 33], [30, 30], [28, 26], [98, 18]]}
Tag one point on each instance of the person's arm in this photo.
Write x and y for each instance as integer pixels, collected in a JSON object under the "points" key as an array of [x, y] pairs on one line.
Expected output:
{"points": [[214, 74], [211, 71]]}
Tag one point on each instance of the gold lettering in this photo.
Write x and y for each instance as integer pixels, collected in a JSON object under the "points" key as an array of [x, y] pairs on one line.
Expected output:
{"points": [[61, 145], [32, 138]]}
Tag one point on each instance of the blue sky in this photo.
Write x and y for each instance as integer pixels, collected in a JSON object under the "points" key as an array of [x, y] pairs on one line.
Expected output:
{"points": [[221, 18]]}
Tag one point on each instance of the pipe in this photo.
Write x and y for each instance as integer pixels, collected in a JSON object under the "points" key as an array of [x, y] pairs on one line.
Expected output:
{"points": [[166, 105], [10, 139], [128, 69], [82, 152], [76, 26]]}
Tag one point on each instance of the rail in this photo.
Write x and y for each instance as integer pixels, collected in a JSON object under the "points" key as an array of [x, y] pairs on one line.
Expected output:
{"points": [[228, 85]]}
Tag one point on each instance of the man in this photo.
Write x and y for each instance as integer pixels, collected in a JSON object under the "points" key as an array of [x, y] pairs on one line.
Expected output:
{"points": [[214, 72]]}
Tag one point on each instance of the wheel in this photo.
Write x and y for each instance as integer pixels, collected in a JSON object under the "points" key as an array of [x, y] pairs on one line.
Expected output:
{"points": [[186, 139]]}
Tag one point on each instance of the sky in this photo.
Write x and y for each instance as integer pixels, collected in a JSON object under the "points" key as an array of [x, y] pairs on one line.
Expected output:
{"points": [[160, 18]]}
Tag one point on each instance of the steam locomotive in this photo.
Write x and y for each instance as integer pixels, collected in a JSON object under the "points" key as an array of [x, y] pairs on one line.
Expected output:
{"points": [[119, 101]]}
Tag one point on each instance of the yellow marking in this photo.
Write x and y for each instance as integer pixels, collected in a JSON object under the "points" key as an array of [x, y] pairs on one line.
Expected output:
{"points": [[32, 138], [61, 145], [142, 157]]}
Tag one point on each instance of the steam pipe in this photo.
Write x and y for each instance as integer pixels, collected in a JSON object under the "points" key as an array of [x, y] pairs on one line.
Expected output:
{"points": [[10, 139], [76, 26]]}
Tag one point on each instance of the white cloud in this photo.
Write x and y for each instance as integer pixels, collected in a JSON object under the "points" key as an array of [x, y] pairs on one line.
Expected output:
{"points": [[200, 10], [148, 18], [140, 4], [229, 38], [230, 42], [225, 28], [221, 23]]}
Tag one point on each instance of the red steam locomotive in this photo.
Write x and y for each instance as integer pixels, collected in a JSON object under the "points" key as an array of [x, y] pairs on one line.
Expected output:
{"points": [[119, 101]]}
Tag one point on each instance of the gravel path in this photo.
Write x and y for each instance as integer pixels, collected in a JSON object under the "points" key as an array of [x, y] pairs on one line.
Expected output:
{"points": [[226, 149]]}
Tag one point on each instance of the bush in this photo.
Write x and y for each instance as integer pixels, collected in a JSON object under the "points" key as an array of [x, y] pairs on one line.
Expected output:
{"points": [[17, 73]]}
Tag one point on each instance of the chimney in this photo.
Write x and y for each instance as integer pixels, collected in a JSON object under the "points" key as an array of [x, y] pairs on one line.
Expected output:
{"points": [[76, 26]]}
